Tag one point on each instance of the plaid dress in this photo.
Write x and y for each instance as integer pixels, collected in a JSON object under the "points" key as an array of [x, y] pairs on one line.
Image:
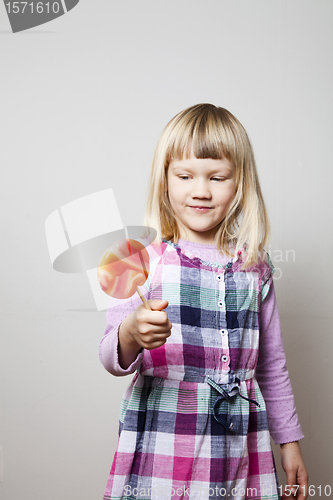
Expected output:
{"points": [[193, 422]]}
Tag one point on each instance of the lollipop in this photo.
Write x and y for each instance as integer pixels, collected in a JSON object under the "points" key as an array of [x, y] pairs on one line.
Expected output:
{"points": [[124, 267]]}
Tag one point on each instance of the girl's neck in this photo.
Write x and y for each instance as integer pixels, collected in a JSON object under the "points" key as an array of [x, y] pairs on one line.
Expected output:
{"points": [[194, 244], [204, 251]]}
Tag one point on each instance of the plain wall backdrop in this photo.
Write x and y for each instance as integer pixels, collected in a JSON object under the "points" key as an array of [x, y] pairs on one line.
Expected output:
{"points": [[83, 100]]}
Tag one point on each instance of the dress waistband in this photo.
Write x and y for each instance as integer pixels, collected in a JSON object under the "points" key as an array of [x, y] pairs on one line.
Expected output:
{"points": [[220, 378], [199, 378]]}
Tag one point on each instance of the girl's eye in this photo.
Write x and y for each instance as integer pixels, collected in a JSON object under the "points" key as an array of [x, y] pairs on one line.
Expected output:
{"points": [[183, 177], [221, 179]]}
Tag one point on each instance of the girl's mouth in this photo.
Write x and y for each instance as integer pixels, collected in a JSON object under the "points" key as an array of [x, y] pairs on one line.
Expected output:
{"points": [[200, 209]]}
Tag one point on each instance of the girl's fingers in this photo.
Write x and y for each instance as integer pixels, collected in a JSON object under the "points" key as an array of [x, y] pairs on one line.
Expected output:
{"points": [[154, 336], [152, 343], [156, 317], [296, 487], [303, 480], [154, 321], [149, 329], [158, 305]]}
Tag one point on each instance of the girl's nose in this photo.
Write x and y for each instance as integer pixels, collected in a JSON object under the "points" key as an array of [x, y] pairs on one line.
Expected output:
{"points": [[201, 190]]}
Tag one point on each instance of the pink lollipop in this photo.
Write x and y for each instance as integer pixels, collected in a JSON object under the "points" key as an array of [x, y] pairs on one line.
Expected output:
{"points": [[124, 267]]}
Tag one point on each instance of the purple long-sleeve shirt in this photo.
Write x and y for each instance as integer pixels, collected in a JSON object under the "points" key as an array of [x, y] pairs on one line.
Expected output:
{"points": [[271, 373]]}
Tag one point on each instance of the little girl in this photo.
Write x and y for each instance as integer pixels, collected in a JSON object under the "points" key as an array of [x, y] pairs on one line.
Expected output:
{"points": [[211, 384]]}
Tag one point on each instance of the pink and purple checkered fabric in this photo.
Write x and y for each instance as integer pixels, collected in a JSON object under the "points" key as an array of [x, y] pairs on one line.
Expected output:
{"points": [[193, 422]]}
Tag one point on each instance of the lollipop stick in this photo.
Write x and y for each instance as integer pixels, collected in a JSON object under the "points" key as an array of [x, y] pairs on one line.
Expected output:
{"points": [[145, 303]]}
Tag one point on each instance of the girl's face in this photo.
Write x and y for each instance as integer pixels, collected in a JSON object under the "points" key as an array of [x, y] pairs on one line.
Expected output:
{"points": [[200, 192]]}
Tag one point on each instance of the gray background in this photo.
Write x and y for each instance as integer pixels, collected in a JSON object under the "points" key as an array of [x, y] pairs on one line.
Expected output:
{"points": [[83, 100]]}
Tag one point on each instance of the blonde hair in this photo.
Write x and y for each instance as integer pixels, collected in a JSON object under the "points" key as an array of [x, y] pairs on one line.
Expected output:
{"points": [[211, 132]]}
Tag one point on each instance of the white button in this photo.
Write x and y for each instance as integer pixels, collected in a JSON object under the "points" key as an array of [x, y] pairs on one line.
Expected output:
{"points": [[224, 332], [220, 303], [225, 358]]}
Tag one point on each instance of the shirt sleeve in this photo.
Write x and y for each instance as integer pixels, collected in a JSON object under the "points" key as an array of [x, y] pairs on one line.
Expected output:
{"points": [[117, 311], [273, 377]]}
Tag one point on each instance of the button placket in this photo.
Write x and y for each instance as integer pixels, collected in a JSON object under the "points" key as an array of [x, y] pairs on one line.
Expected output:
{"points": [[224, 339], [220, 278], [224, 356], [225, 359]]}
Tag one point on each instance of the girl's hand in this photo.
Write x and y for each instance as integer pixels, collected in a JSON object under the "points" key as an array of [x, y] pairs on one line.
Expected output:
{"points": [[297, 476], [143, 329], [150, 329]]}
